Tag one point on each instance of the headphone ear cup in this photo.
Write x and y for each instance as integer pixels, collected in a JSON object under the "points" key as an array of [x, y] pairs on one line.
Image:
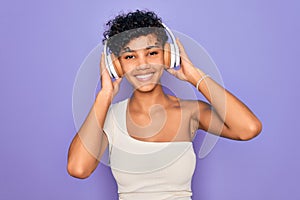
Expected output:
{"points": [[117, 65], [167, 55]]}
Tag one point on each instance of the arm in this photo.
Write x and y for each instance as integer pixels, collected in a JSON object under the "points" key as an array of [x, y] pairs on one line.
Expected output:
{"points": [[226, 115], [90, 142]]}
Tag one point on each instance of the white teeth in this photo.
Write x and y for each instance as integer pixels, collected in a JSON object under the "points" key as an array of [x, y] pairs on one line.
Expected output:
{"points": [[144, 76]]}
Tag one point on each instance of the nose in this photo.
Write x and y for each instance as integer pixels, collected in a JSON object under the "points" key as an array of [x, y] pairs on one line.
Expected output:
{"points": [[143, 67], [142, 62]]}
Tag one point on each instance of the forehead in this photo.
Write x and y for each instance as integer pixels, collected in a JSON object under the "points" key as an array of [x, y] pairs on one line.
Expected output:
{"points": [[142, 42]]}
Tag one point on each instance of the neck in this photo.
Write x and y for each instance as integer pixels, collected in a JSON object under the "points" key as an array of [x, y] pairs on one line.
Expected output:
{"points": [[144, 100]]}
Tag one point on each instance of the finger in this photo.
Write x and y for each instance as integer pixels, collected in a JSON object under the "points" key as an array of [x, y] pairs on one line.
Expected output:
{"points": [[116, 85], [105, 73], [181, 48], [102, 63], [106, 81], [117, 82], [103, 69], [183, 54], [172, 71]]}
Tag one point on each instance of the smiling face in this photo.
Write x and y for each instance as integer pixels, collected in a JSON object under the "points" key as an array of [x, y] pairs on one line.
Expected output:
{"points": [[142, 61]]}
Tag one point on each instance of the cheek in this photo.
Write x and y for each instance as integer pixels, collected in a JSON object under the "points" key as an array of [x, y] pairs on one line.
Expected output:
{"points": [[127, 67], [161, 71], [158, 59], [159, 63]]}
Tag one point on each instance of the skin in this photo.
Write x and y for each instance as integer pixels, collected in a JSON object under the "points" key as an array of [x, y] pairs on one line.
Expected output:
{"points": [[161, 117]]}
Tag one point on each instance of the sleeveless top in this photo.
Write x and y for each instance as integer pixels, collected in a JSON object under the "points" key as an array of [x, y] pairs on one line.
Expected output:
{"points": [[147, 170]]}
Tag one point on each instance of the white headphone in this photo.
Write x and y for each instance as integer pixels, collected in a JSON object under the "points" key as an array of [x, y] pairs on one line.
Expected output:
{"points": [[171, 58]]}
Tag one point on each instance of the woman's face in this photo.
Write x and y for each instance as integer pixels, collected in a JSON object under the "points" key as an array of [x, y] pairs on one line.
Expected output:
{"points": [[142, 61]]}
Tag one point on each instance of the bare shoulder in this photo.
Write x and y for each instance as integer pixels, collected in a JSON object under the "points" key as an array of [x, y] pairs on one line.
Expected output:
{"points": [[195, 107]]}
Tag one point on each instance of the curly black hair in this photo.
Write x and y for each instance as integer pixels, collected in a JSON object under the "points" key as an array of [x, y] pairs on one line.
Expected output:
{"points": [[126, 27]]}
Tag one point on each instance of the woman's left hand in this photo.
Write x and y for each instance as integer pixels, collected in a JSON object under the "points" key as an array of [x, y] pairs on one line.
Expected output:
{"points": [[187, 72]]}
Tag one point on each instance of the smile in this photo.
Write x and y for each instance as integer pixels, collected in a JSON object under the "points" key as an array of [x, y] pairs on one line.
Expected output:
{"points": [[144, 77]]}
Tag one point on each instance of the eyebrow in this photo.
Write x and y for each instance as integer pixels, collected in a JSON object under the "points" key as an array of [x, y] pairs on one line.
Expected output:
{"points": [[127, 49]]}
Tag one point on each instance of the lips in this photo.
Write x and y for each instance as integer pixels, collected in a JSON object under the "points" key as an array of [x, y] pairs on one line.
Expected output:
{"points": [[144, 77]]}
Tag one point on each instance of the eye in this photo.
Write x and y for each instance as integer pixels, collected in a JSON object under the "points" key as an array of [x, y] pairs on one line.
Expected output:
{"points": [[129, 57], [152, 53]]}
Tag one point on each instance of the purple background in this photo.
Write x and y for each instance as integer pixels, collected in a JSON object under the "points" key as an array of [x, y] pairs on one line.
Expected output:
{"points": [[255, 45]]}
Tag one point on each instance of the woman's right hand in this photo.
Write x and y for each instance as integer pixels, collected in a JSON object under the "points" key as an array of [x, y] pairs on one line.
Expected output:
{"points": [[109, 87]]}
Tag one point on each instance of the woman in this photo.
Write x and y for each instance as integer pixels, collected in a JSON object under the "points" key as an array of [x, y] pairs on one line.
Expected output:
{"points": [[150, 134]]}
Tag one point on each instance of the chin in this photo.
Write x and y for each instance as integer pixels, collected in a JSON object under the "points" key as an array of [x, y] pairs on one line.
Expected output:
{"points": [[146, 88]]}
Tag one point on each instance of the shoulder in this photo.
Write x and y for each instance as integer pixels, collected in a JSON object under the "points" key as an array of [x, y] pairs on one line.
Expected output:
{"points": [[192, 104], [195, 107]]}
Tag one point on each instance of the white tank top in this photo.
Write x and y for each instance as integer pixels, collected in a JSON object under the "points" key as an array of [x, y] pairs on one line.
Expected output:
{"points": [[147, 170]]}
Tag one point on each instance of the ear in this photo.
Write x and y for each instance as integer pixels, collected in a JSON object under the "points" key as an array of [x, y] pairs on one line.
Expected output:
{"points": [[117, 65], [167, 55]]}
